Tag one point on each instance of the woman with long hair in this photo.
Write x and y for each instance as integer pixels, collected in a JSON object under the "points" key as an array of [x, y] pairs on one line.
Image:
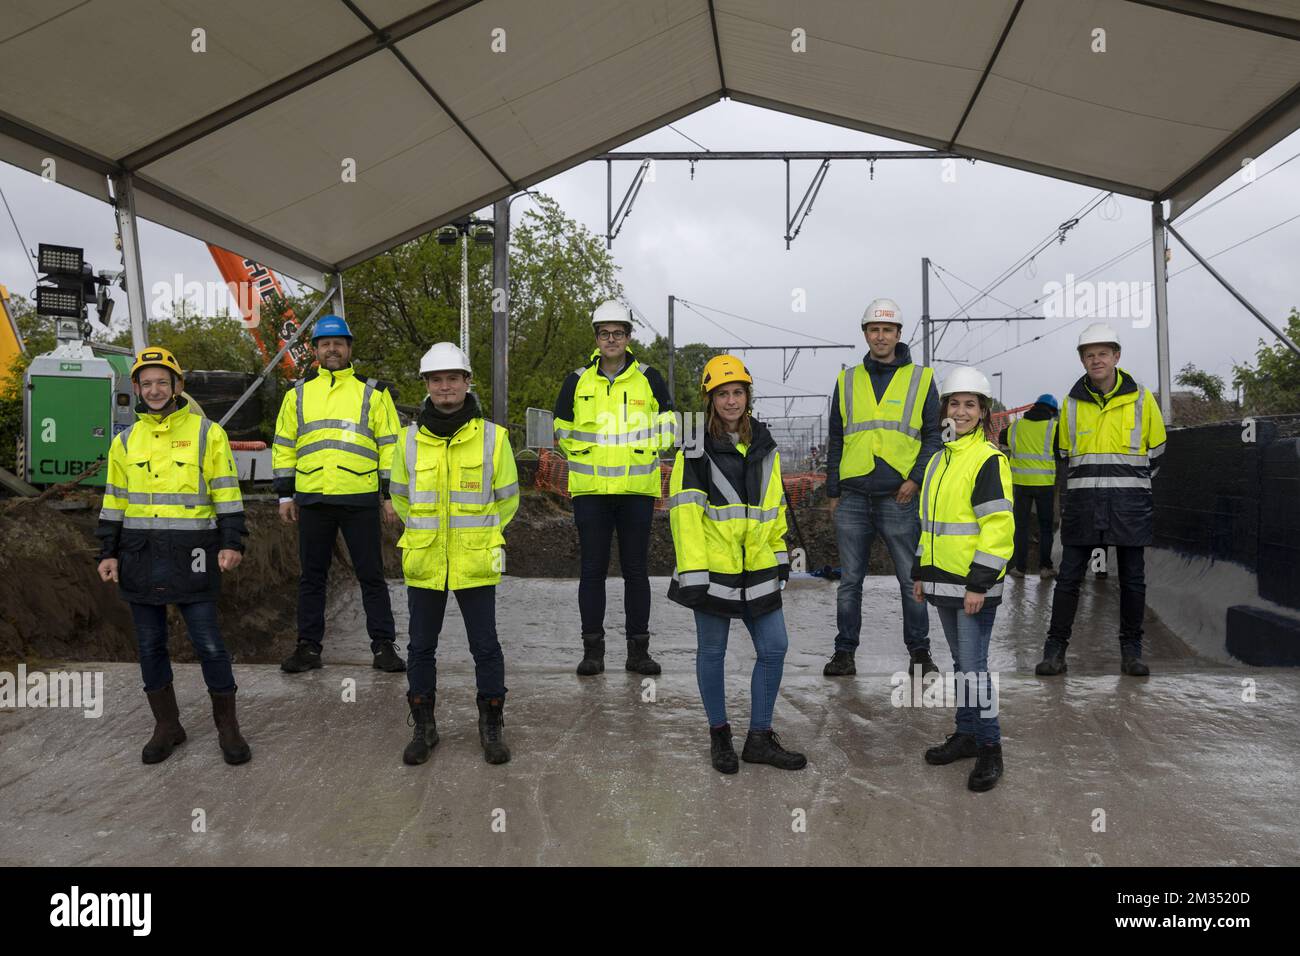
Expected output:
{"points": [[967, 538], [728, 523]]}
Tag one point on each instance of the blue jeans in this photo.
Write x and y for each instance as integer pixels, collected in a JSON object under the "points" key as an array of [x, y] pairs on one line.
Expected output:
{"points": [[205, 635], [858, 519], [770, 643], [968, 639]]}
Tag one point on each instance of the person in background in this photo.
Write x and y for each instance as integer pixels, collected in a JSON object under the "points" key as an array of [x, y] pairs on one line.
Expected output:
{"points": [[1031, 446]]}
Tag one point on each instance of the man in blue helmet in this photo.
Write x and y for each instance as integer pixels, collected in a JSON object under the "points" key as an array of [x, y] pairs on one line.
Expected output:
{"points": [[1031, 447], [333, 451]]}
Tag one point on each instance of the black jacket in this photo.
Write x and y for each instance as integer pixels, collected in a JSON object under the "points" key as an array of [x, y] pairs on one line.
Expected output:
{"points": [[882, 480]]}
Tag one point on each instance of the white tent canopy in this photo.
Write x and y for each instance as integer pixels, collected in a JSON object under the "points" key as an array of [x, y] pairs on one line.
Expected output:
{"points": [[244, 145]]}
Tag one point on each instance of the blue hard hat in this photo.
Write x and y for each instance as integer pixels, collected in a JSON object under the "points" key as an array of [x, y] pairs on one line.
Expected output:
{"points": [[1047, 400], [331, 327]]}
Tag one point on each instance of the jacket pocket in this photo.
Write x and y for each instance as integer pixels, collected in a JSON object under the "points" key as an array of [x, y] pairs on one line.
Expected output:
{"points": [[133, 562], [419, 553], [359, 474], [194, 558]]}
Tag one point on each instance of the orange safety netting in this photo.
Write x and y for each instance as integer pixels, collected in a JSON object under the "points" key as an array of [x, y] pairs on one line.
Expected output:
{"points": [[553, 475]]}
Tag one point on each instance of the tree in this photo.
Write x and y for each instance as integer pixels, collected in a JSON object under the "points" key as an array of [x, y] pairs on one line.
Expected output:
{"points": [[1272, 385], [688, 369], [1211, 386]]}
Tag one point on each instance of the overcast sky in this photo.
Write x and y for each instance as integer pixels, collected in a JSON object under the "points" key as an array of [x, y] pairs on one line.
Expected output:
{"points": [[717, 241]]}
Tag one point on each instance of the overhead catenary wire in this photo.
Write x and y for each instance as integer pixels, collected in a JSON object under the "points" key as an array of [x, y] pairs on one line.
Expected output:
{"points": [[696, 306], [27, 253]]}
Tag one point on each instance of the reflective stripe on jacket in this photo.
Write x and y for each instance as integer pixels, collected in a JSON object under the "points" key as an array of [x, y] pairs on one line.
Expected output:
{"points": [[967, 523], [1032, 455], [727, 513], [889, 430], [455, 495]]}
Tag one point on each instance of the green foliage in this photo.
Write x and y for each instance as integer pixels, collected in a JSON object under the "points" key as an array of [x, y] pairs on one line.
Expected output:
{"points": [[688, 369], [1211, 386], [1272, 385]]}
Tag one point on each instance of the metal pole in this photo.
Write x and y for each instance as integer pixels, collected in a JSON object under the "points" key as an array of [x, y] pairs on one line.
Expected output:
{"points": [[1237, 295], [672, 348], [1162, 308], [133, 276], [609, 205], [464, 292], [500, 309], [336, 300], [925, 311]]}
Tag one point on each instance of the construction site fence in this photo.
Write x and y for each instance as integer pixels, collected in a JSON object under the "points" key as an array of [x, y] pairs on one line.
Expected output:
{"points": [[553, 475]]}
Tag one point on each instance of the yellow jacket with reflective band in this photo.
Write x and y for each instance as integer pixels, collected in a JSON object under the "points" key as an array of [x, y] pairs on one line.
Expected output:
{"points": [[613, 438], [1032, 452], [334, 438], [455, 496], [727, 513], [890, 430], [967, 524], [1114, 451], [173, 473]]}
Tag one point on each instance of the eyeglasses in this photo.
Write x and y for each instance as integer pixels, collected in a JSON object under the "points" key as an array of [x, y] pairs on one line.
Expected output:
{"points": [[607, 336]]}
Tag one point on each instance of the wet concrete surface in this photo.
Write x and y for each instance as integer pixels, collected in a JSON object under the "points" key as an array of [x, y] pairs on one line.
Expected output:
{"points": [[1106, 770]]}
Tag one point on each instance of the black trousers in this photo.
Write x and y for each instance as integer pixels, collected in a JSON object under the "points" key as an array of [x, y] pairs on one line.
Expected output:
{"points": [[1132, 595], [318, 529], [597, 517], [478, 606], [1026, 498]]}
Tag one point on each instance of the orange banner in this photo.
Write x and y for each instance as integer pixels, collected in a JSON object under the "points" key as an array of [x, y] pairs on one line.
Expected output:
{"points": [[251, 285]]}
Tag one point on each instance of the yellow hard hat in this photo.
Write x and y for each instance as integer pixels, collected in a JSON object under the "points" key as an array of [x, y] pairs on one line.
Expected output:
{"points": [[160, 357], [722, 370]]}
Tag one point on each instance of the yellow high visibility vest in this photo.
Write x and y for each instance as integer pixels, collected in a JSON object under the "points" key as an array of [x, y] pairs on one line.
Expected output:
{"points": [[174, 473], [335, 435], [1032, 459], [613, 441], [455, 496], [890, 430], [1114, 447], [957, 532]]}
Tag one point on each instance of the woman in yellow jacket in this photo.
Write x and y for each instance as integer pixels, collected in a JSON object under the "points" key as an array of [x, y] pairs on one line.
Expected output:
{"points": [[967, 538], [455, 487], [728, 523]]}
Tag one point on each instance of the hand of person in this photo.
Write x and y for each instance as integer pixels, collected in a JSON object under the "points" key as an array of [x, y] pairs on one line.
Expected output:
{"points": [[906, 491], [108, 569], [973, 602], [289, 511], [228, 559], [390, 514], [834, 503], [918, 592]]}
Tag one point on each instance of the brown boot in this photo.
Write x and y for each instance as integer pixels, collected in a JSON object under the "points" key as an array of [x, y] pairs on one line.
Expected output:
{"points": [[233, 745], [167, 730]]}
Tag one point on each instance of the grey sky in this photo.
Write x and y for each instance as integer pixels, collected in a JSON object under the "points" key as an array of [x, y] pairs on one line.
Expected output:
{"points": [[718, 241]]}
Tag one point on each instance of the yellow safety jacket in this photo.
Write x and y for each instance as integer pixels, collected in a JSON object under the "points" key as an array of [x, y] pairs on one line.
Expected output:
{"points": [[171, 502], [1114, 451], [612, 432], [890, 430], [334, 439], [455, 496], [1033, 460], [967, 524], [727, 513]]}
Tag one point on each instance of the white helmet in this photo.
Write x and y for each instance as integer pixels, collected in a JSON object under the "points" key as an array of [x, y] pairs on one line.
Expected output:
{"points": [[611, 311], [967, 379], [444, 357], [1099, 333], [883, 310]]}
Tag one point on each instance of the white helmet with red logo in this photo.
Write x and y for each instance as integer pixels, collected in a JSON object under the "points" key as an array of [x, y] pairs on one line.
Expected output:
{"points": [[883, 310]]}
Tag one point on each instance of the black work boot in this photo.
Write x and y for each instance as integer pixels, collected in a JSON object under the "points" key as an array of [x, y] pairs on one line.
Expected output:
{"points": [[593, 656], [234, 748], [491, 721], [167, 730], [840, 665], [988, 768], [425, 737], [638, 656], [1053, 662], [721, 751], [304, 658], [386, 659], [1131, 662], [956, 747], [763, 746], [924, 659]]}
